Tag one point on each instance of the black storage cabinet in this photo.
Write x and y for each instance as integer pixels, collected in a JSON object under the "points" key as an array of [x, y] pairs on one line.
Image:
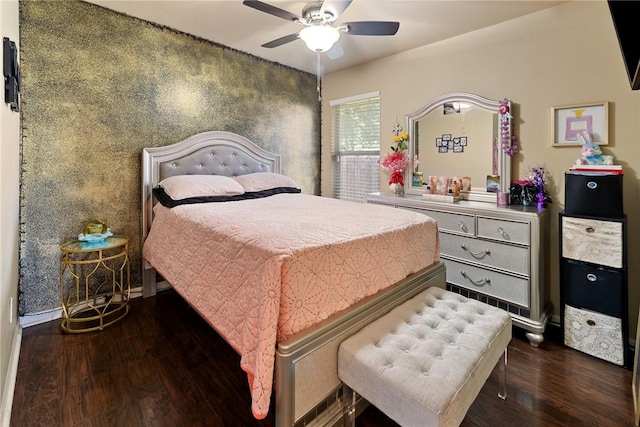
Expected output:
{"points": [[593, 292]]}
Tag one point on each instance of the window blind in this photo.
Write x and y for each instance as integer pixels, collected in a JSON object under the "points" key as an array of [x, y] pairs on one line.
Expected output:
{"points": [[355, 146]]}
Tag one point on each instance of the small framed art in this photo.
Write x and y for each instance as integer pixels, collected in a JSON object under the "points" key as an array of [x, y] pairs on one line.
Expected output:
{"points": [[568, 121], [493, 183]]}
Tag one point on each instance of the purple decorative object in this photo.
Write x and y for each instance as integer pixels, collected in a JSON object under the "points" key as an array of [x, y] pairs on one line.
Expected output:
{"points": [[509, 144], [538, 182]]}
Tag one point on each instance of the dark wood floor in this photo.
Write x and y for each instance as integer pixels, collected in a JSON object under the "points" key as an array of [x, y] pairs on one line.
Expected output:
{"points": [[163, 366]]}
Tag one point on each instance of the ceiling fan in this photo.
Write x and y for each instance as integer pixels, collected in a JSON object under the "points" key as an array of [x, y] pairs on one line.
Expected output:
{"points": [[320, 32]]}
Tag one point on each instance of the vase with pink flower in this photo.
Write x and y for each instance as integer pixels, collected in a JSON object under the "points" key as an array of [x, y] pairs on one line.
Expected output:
{"points": [[396, 162]]}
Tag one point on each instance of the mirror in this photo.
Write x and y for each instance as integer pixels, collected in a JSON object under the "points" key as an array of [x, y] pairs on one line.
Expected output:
{"points": [[460, 134]]}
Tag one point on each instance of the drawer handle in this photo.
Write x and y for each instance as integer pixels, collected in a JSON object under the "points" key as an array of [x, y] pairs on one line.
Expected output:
{"points": [[481, 282], [462, 226], [589, 229], [478, 255], [591, 322], [592, 277], [504, 234]]}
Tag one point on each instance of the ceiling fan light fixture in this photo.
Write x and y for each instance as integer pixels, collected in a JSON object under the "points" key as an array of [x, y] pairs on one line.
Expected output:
{"points": [[319, 38]]}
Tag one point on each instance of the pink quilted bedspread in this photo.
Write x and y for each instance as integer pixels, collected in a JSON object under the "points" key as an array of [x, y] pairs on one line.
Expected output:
{"points": [[261, 270]]}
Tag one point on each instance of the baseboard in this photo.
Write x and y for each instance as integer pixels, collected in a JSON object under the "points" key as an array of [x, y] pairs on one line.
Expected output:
{"points": [[56, 313], [12, 374], [553, 332], [41, 317]]}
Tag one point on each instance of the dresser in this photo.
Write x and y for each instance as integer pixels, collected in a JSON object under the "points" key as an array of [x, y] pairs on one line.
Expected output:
{"points": [[496, 254]]}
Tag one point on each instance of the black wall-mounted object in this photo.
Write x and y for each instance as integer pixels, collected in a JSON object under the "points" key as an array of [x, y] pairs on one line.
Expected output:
{"points": [[628, 32], [11, 70]]}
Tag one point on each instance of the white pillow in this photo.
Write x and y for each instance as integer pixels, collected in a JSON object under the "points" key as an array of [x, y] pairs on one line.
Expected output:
{"points": [[185, 186], [264, 181]]}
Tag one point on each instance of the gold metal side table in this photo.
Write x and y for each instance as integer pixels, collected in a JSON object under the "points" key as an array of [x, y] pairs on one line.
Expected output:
{"points": [[94, 283]]}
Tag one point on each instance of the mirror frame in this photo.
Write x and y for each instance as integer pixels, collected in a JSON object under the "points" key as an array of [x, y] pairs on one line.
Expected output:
{"points": [[504, 160]]}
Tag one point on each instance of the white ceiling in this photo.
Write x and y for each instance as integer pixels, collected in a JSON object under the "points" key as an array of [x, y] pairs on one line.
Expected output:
{"points": [[230, 23]]}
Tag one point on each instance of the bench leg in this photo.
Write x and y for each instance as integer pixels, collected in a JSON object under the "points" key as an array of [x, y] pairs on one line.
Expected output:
{"points": [[349, 411], [502, 376]]}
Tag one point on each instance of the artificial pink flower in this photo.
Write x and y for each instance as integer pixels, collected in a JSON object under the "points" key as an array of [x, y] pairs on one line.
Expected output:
{"points": [[395, 162]]}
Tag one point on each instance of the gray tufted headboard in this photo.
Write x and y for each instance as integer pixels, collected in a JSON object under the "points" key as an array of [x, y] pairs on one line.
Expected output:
{"points": [[207, 153]]}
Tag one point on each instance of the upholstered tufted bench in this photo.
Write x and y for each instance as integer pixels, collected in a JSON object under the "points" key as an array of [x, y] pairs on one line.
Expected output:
{"points": [[424, 363]]}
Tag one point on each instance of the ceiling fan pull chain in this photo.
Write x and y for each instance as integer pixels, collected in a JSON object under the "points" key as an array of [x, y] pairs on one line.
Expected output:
{"points": [[318, 76]]}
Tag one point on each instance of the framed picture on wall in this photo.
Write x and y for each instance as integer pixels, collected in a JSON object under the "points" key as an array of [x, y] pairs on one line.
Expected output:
{"points": [[568, 121]]}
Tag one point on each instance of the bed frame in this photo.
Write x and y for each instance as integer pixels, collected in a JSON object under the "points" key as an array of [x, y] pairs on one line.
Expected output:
{"points": [[307, 388]]}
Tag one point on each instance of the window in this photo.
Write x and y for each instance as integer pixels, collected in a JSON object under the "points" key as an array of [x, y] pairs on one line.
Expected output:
{"points": [[355, 146]]}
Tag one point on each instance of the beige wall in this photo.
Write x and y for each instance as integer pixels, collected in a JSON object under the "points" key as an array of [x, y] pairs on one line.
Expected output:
{"points": [[565, 55], [9, 227]]}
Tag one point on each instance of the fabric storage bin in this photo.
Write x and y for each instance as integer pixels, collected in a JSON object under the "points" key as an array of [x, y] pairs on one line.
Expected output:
{"points": [[593, 195], [594, 333], [592, 240], [593, 288]]}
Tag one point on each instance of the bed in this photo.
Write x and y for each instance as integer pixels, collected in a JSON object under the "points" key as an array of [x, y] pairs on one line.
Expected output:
{"points": [[285, 300]]}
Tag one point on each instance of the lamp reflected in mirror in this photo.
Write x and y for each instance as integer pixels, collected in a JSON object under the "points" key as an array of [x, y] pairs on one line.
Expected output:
{"points": [[454, 107]]}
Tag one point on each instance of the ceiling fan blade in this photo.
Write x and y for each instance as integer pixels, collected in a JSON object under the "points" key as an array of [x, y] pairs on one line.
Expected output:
{"points": [[272, 10], [335, 52], [371, 28], [282, 40], [336, 7]]}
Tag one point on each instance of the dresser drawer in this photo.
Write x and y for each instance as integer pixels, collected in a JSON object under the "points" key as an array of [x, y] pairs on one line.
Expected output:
{"points": [[508, 231], [593, 288], [592, 240], [594, 333], [456, 223], [499, 285], [492, 254]]}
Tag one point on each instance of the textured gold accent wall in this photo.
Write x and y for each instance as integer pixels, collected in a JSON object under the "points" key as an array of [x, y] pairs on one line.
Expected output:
{"points": [[97, 87]]}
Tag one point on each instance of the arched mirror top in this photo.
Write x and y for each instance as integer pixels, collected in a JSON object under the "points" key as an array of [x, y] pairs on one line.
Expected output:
{"points": [[461, 135]]}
